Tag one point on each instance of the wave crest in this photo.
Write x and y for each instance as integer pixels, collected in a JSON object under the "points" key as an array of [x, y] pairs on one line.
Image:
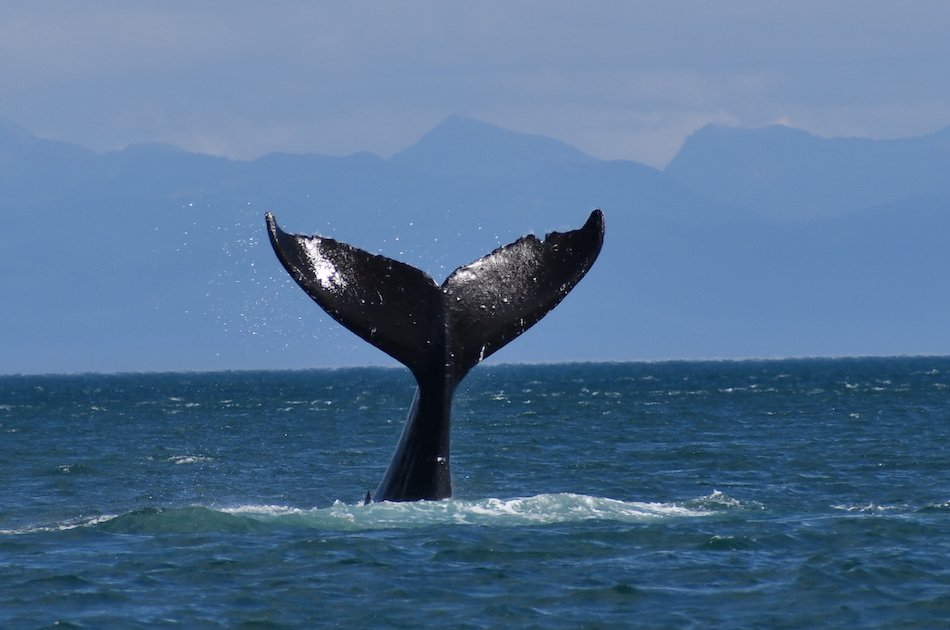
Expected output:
{"points": [[541, 509], [536, 510]]}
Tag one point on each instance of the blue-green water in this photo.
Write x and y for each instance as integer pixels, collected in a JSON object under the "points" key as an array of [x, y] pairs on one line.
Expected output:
{"points": [[690, 494]]}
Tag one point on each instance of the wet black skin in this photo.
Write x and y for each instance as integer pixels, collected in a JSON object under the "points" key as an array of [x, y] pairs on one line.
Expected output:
{"points": [[438, 332]]}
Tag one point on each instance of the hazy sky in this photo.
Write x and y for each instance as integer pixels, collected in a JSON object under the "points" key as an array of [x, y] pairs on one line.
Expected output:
{"points": [[616, 79]]}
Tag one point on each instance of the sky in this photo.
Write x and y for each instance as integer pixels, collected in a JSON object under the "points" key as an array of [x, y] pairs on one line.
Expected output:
{"points": [[619, 80]]}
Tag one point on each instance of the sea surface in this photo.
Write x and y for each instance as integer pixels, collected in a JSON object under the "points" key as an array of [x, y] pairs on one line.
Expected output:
{"points": [[750, 494]]}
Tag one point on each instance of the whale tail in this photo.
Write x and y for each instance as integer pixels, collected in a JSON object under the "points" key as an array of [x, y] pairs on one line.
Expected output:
{"points": [[438, 332], [450, 328]]}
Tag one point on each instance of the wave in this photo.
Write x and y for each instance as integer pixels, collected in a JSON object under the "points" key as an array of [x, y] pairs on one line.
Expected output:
{"points": [[542, 509], [76, 523], [869, 508], [897, 509], [189, 459]]}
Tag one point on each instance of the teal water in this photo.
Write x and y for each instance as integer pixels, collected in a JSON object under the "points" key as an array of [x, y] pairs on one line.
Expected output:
{"points": [[804, 493]]}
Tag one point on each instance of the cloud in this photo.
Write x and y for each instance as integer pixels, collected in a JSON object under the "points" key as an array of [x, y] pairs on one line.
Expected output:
{"points": [[618, 79]]}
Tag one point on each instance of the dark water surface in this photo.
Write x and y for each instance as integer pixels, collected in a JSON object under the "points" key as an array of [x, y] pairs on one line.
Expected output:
{"points": [[806, 493]]}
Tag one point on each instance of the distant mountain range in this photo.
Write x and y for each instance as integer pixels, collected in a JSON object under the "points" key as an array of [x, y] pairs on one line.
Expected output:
{"points": [[752, 242], [788, 172]]}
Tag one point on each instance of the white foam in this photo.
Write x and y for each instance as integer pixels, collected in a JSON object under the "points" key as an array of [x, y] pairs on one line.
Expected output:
{"points": [[867, 508], [542, 509], [188, 459], [267, 510], [536, 510], [59, 527]]}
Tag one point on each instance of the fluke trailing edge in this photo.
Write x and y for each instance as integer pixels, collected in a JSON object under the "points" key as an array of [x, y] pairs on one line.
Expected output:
{"points": [[438, 332]]}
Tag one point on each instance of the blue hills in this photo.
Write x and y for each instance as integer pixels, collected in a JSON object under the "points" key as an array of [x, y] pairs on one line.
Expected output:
{"points": [[786, 171], [752, 242]]}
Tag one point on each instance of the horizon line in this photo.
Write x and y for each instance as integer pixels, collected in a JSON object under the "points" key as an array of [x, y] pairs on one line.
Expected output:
{"points": [[500, 364]]}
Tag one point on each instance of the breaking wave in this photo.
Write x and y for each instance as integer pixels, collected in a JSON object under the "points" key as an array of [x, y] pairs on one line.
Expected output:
{"points": [[542, 509]]}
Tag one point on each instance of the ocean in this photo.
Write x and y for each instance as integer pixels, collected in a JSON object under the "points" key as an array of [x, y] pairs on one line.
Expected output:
{"points": [[730, 494]]}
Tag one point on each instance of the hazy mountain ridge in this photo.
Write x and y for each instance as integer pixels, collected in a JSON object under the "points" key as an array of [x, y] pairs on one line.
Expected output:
{"points": [[464, 146], [788, 172], [154, 258]]}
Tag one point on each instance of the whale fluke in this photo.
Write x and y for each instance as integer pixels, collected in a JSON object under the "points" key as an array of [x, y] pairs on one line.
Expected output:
{"points": [[438, 332]]}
